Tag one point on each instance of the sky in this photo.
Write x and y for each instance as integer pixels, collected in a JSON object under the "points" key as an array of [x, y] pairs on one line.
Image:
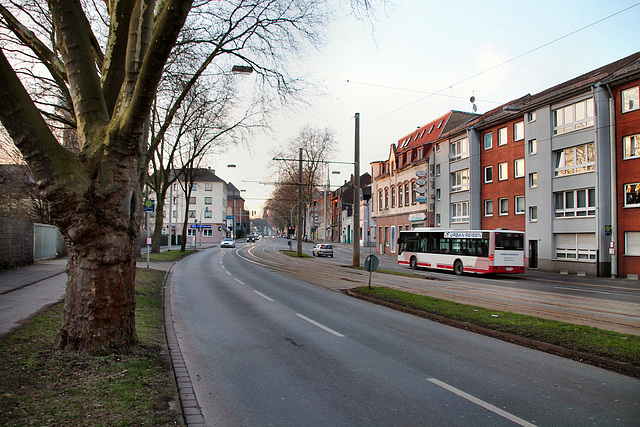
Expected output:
{"points": [[423, 58]]}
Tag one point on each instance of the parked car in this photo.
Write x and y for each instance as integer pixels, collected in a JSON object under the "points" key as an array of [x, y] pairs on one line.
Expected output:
{"points": [[228, 242], [323, 249]]}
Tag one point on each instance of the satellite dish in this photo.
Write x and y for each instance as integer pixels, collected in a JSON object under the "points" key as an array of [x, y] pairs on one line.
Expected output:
{"points": [[472, 99], [475, 107]]}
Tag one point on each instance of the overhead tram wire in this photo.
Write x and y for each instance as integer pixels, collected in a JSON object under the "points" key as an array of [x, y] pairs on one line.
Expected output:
{"points": [[430, 94]]}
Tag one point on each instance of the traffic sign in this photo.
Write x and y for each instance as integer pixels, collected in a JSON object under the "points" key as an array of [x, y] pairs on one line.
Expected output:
{"points": [[149, 205], [371, 263]]}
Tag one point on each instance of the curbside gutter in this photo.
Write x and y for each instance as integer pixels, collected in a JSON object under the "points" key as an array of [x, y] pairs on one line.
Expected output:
{"points": [[602, 362], [191, 412]]}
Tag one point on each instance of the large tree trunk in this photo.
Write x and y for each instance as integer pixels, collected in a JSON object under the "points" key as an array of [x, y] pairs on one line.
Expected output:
{"points": [[101, 229]]}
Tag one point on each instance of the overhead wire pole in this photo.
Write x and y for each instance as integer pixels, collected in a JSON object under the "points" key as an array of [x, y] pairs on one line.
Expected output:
{"points": [[356, 196], [300, 205]]}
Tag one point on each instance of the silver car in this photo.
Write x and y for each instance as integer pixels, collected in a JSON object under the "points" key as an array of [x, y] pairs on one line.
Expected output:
{"points": [[323, 249], [228, 242]]}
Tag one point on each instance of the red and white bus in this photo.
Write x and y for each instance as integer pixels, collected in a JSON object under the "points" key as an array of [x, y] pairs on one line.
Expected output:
{"points": [[460, 251]]}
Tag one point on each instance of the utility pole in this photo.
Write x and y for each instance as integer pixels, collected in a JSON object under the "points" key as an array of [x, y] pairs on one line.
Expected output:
{"points": [[300, 205], [356, 196]]}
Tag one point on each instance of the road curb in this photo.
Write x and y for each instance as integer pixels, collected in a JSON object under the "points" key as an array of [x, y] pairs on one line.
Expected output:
{"points": [[191, 411], [579, 356]]}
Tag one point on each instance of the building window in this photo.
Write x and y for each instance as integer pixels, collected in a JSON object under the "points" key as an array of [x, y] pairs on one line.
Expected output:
{"points": [[488, 174], [386, 198], [437, 147], [632, 195], [630, 99], [208, 186], [518, 131], [632, 243], [438, 194], [191, 232], [580, 247], [440, 124], [460, 180], [531, 116], [519, 200], [575, 203], [460, 212], [460, 149], [438, 170], [208, 213], [533, 179], [175, 214], [380, 200], [192, 200], [406, 194], [207, 232], [414, 194], [194, 186], [581, 158], [533, 146], [192, 214], [631, 146], [503, 171], [393, 197], [533, 214], [438, 220], [518, 168], [400, 195], [504, 206], [502, 136], [488, 140], [573, 117], [208, 200], [488, 207]]}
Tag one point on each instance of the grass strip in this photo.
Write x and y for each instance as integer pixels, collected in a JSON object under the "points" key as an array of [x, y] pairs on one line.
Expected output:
{"points": [[40, 385], [167, 256], [615, 346]]}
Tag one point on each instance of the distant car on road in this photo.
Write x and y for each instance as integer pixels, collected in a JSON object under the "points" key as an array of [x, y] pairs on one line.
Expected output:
{"points": [[251, 238], [323, 249], [228, 242]]}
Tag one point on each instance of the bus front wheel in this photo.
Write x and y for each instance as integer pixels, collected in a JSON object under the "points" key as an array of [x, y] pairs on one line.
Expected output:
{"points": [[458, 269], [413, 263]]}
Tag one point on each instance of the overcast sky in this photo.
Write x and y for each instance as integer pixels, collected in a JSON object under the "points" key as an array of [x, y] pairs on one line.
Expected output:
{"points": [[425, 58]]}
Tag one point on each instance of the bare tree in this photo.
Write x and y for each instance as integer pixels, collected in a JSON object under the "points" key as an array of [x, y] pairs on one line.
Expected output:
{"points": [[318, 147], [94, 68]]}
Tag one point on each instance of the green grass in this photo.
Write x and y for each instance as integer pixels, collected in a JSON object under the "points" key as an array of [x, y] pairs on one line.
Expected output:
{"points": [[167, 256], [594, 341], [40, 385], [295, 254]]}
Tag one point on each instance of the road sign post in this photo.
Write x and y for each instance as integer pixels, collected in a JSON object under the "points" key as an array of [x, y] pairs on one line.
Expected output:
{"points": [[371, 264]]}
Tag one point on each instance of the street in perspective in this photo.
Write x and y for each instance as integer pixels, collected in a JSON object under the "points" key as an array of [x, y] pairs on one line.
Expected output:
{"points": [[262, 346]]}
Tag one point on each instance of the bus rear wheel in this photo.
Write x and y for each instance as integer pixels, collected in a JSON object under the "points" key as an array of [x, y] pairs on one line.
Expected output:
{"points": [[413, 263], [458, 269]]}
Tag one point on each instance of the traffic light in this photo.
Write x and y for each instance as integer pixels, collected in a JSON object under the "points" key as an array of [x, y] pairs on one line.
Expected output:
{"points": [[315, 201]]}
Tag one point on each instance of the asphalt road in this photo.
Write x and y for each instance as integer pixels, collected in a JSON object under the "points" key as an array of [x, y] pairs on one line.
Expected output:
{"points": [[266, 349]]}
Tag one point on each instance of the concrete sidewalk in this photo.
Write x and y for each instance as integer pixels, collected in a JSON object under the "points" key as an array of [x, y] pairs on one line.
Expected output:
{"points": [[26, 291]]}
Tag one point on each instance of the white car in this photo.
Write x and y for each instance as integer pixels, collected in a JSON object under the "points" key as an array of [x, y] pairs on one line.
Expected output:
{"points": [[228, 242], [323, 249]]}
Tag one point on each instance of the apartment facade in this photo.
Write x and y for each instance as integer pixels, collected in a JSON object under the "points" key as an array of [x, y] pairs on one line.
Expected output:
{"points": [[406, 186], [206, 217], [561, 165]]}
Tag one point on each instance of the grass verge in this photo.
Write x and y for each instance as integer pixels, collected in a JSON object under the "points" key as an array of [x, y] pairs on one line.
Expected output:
{"points": [[167, 256], [43, 386], [295, 254], [622, 348]]}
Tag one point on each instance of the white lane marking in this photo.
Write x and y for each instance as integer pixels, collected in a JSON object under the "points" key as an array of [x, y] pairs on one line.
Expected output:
{"points": [[321, 326], [481, 403], [239, 281], [228, 273], [263, 296], [582, 290]]}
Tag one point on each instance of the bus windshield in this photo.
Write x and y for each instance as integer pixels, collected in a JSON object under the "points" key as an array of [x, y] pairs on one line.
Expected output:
{"points": [[510, 241]]}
